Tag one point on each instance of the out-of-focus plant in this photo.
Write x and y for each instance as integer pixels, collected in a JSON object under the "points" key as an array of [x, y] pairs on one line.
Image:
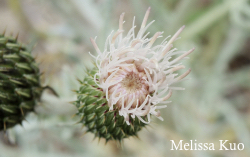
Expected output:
{"points": [[20, 88]]}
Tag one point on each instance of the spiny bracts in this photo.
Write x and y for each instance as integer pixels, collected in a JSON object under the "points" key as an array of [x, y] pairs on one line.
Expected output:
{"points": [[20, 87], [95, 114]]}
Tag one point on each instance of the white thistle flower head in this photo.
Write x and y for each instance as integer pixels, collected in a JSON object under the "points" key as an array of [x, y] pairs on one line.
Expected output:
{"points": [[135, 75]]}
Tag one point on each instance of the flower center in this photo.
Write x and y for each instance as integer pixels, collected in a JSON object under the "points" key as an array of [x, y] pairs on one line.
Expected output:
{"points": [[131, 82], [133, 87]]}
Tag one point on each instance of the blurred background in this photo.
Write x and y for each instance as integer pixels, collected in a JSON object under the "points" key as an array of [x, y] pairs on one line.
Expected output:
{"points": [[215, 105]]}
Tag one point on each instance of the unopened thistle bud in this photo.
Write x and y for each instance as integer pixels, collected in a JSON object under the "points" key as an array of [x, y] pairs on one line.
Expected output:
{"points": [[20, 87], [132, 76]]}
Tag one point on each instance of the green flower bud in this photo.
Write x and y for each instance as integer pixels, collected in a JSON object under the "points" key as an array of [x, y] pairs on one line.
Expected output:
{"points": [[20, 87]]}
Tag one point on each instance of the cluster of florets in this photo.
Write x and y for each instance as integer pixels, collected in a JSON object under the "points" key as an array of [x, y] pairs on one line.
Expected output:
{"points": [[135, 75]]}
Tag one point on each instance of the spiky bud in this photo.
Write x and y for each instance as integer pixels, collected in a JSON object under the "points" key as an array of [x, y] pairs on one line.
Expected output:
{"points": [[95, 115], [20, 87], [131, 79]]}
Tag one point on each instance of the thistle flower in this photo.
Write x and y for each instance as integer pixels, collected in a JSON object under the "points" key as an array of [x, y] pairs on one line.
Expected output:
{"points": [[134, 77]]}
